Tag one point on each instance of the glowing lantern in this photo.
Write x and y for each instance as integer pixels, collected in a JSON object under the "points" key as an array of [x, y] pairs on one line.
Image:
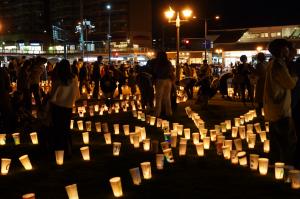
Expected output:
{"points": [[5, 164], [257, 127], [179, 129], [234, 157], [146, 144], [173, 141], [182, 149], [59, 157], [267, 146], [25, 162], [263, 136], [88, 125], [228, 143], [152, 120], [85, 137], [136, 140], [226, 152], [169, 155], [267, 126], [98, 127], [223, 127], [228, 124], [116, 129], [237, 122], [116, 148], [135, 175], [263, 165], [146, 169], [16, 137], [72, 191], [238, 144], [213, 135], [250, 127], [158, 122], [107, 138], [242, 132], [34, 138], [242, 158], [2, 139], [279, 170], [80, 125], [71, 124], [206, 142], [251, 141], [126, 129], [195, 138], [85, 152], [160, 161], [254, 161], [28, 196], [187, 133], [295, 179], [200, 149]]}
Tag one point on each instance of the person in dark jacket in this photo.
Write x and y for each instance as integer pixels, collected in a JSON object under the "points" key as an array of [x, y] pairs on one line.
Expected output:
{"points": [[96, 76]]}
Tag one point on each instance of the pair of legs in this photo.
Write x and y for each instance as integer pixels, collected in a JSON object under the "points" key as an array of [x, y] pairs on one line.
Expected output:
{"points": [[163, 96]]}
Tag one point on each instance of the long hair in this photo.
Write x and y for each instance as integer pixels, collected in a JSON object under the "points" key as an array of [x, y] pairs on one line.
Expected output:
{"points": [[63, 72], [162, 58]]}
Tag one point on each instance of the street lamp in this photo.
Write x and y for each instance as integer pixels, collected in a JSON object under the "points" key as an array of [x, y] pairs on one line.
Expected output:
{"points": [[108, 8], [187, 13], [205, 34]]}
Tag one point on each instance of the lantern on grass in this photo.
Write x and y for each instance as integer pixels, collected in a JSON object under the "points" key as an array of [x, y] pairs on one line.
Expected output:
{"points": [[146, 144], [169, 155], [226, 152], [223, 127], [179, 129], [72, 191], [160, 161], [28, 196], [195, 138], [135, 175], [34, 138], [85, 137], [242, 158], [263, 164], [116, 129], [80, 125], [254, 161], [16, 137], [187, 133], [25, 162], [2, 139], [206, 142], [242, 132], [234, 157], [5, 164], [152, 120], [279, 170], [59, 157], [107, 138], [182, 149], [251, 141], [242, 120], [85, 152], [295, 178], [146, 169], [98, 127], [238, 144], [200, 149], [126, 129], [267, 146]]}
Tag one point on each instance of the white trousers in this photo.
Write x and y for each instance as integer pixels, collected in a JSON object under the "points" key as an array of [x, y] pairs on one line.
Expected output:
{"points": [[163, 96]]}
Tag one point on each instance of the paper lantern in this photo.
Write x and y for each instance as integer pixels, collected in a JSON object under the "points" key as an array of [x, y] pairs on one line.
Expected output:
{"points": [[164, 145], [126, 129], [242, 120], [183, 141], [85, 137], [262, 112], [152, 120], [238, 144], [169, 155], [203, 133], [213, 135], [228, 143], [16, 137], [220, 139], [234, 132], [136, 140], [195, 138], [2, 139], [146, 169], [263, 136], [242, 158], [234, 157], [96, 108], [267, 126], [116, 148], [254, 161], [179, 129], [80, 112], [257, 127], [250, 127], [34, 138], [116, 129], [104, 127], [175, 126], [59, 157], [173, 141], [237, 122], [80, 125], [187, 133], [226, 152], [5, 164], [279, 170], [182, 149], [242, 132], [72, 191], [98, 127], [206, 142], [25, 162], [166, 126], [154, 146], [263, 164], [85, 152], [146, 144], [295, 178], [107, 138], [267, 146], [28, 196], [251, 141], [228, 124], [91, 111], [200, 149], [88, 125], [217, 129], [71, 124], [143, 133], [158, 122], [135, 175], [160, 161], [223, 127]]}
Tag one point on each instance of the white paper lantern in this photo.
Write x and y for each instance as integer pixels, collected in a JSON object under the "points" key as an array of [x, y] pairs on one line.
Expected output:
{"points": [[200, 149], [126, 129], [26, 162], [80, 125], [267, 146], [263, 165], [72, 191], [5, 164], [59, 157], [295, 179], [85, 137], [85, 152], [107, 137], [135, 175], [98, 127], [34, 138], [16, 137], [182, 149], [242, 158], [160, 161], [146, 169], [88, 125], [279, 170], [254, 161], [2, 139], [146, 144], [28, 196], [116, 148], [206, 142], [238, 144]]}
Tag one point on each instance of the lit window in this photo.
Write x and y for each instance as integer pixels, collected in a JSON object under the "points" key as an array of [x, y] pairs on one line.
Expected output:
{"points": [[273, 34], [278, 34]]}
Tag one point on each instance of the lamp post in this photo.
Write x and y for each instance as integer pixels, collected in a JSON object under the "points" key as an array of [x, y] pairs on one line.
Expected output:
{"points": [[108, 8], [205, 35], [169, 15]]}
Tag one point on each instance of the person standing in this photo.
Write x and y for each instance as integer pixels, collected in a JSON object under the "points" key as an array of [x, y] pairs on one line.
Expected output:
{"points": [[163, 73], [96, 76], [277, 103], [23, 85], [36, 71], [260, 73], [63, 95]]}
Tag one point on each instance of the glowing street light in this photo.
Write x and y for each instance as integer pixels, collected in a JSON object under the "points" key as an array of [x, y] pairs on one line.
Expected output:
{"points": [[187, 13]]}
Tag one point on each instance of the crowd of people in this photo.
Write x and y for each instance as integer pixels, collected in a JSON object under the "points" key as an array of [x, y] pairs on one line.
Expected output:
{"points": [[271, 85]]}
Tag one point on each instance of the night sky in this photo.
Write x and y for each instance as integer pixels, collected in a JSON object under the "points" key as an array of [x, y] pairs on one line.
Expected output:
{"points": [[234, 14]]}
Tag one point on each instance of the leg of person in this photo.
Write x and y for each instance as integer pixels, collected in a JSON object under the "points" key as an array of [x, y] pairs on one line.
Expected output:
{"points": [[158, 97], [36, 94], [96, 90], [167, 97]]}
